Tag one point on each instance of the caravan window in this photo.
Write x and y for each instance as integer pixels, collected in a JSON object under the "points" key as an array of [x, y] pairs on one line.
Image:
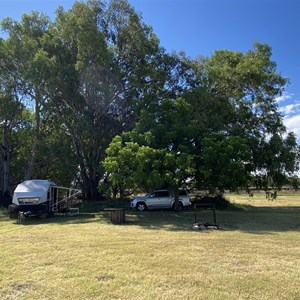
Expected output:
{"points": [[28, 200]]}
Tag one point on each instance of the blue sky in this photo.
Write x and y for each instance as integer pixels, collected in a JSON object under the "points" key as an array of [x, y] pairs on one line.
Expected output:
{"points": [[199, 27]]}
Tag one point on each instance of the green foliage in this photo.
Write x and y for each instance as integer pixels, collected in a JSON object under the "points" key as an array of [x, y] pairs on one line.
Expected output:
{"points": [[108, 102], [217, 134], [226, 163], [56, 160], [294, 182], [277, 160], [20, 142], [131, 166]]}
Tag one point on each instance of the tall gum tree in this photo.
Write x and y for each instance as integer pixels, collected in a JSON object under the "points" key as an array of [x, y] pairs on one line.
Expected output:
{"points": [[99, 63], [20, 66]]}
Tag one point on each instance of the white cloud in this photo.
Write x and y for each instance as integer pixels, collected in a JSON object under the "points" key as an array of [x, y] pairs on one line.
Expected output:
{"points": [[293, 124], [290, 109], [283, 97]]}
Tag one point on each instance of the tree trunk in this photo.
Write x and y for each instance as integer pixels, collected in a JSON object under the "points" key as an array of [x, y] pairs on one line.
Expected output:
{"points": [[89, 176], [29, 170], [85, 182], [177, 206], [5, 162]]}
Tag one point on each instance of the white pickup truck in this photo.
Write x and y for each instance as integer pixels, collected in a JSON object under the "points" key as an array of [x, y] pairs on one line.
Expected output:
{"points": [[160, 199]]}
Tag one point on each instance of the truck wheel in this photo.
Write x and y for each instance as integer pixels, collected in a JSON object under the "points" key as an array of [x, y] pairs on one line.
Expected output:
{"points": [[179, 207], [141, 206]]}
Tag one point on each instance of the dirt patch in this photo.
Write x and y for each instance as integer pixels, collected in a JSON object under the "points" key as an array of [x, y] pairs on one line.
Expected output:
{"points": [[105, 278], [20, 286]]}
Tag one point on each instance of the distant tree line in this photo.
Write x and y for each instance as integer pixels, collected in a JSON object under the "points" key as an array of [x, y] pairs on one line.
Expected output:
{"points": [[92, 99]]}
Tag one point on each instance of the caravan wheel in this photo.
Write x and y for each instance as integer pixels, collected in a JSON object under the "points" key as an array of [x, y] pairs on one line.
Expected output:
{"points": [[13, 213]]}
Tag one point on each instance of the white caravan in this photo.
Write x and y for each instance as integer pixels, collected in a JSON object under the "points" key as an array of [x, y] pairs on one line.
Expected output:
{"points": [[41, 197]]}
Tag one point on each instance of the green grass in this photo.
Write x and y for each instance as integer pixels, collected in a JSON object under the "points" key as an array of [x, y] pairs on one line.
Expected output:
{"points": [[156, 255]]}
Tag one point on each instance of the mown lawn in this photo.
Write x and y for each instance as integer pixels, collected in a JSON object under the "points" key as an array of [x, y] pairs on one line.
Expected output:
{"points": [[156, 254]]}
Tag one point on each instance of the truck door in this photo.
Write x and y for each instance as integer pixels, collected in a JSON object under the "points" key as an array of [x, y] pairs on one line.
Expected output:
{"points": [[159, 199], [154, 200], [165, 199]]}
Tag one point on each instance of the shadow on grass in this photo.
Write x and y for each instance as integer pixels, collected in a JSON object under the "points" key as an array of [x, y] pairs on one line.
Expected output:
{"points": [[58, 219], [244, 218]]}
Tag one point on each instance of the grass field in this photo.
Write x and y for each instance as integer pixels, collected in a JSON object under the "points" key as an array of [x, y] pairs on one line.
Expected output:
{"points": [[156, 254]]}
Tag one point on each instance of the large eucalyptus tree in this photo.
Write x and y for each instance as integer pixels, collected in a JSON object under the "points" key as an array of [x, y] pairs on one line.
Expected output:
{"points": [[102, 60]]}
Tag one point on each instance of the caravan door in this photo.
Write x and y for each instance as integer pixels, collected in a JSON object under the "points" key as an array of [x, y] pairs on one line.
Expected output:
{"points": [[53, 199]]}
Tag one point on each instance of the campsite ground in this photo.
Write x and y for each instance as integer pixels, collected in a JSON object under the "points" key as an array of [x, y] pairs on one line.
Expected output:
{"points": [[156, 254]]}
